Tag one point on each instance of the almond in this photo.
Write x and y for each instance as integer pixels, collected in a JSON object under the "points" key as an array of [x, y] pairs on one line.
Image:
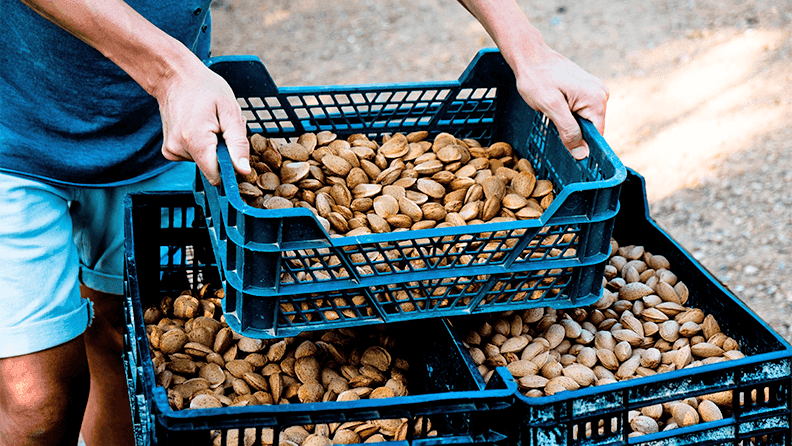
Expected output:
{"points": [[523, 184], [554, 335], [431, 188], [335, 165], [560, 383], [295, 151], [628, 367], [709, 411], [644, 424], [706, 350], [710, 327], [494, 187], [532, 382], [514, 345], [295, 172], [608, 359], [522, 367], [684, 415], [582, 375], [634, 291], [629, 336], [682, 358]]}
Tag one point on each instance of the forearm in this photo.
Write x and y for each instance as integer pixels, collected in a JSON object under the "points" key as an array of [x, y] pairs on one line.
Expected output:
{"points": [[146, 53], [509, 28], [547, 81]]}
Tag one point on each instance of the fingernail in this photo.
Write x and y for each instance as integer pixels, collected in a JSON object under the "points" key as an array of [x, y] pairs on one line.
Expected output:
{"points": [[244, 163], [579, 152]]}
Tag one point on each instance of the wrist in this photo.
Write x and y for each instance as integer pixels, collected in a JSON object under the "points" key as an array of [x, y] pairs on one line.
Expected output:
{"points": [[524, 50], [166, 68]]}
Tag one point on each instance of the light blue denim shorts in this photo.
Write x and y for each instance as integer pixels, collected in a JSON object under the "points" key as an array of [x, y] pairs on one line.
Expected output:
{"points": [[51, 240]]}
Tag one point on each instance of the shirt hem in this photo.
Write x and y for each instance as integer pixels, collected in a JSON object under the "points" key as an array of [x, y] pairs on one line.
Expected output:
{"points": [[62, 183]]}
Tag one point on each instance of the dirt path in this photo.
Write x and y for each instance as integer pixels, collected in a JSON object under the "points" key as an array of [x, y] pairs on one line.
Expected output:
{"points": [[701, 100]]}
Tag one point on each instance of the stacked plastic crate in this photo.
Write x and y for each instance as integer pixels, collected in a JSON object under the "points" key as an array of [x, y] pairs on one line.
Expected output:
{"points": [[249, 251]]}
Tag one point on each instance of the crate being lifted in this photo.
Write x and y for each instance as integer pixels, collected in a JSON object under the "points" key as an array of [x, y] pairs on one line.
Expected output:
{"points": [[284, 274]]}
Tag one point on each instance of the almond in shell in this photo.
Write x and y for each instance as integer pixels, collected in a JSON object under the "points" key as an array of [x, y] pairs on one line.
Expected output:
{"points": [[684, 415], [396, 147], [431, 188], [294, 172], [709, 411]]}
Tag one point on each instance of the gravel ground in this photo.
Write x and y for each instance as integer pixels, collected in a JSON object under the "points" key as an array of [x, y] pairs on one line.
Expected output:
{"points": [[739, 225], [701, 100]]}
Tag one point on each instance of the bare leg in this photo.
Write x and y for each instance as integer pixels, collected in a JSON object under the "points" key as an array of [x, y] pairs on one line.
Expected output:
{"points": [[42, 396], [108, 420]]}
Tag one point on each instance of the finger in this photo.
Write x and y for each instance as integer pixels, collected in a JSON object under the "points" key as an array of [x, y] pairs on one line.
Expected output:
{"points": [[203, 149], [234, 131], [595, 114], [597, 119], [207, 163], [171, 148], [172, 151], [568, 129], [593, 105]]}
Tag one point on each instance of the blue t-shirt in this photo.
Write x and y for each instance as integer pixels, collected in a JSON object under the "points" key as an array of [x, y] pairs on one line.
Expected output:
{"points": [[69, 115]]}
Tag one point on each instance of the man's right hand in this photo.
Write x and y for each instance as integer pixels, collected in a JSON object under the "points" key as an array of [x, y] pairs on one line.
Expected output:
{"points": [[197, 106]]}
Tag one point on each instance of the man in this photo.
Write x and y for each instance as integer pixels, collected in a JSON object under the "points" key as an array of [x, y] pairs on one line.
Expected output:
{"points": [[83, 105]]}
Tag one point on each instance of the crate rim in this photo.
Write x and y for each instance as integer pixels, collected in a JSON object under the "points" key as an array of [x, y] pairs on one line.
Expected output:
{"points": [[275, 414]]}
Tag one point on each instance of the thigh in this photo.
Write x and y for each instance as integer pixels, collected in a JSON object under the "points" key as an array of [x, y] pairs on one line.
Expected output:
{"points": [[39, 289], [98, 217]]}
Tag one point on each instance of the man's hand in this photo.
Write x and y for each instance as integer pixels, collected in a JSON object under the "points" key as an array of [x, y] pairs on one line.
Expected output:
{"points": [[557, 87], [547, 81], [195, 109]]}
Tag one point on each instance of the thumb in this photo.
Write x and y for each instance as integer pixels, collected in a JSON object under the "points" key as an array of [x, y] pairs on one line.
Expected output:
{"points": [[569, 132], [234, 130]]}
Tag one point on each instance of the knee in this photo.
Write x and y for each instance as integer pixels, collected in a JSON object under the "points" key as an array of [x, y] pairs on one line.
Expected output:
{"points": [[42, 417], [40, 408], [43, 397]]}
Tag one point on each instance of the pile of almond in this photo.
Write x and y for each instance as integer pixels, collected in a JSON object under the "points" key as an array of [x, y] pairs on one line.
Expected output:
{"points": [[358, 186], [690, 411], [202, 363], [641, 326]]}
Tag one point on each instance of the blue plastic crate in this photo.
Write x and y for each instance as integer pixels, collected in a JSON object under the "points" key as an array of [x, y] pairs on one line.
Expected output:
{"points": [[279, 253], [168, 251], [562, 419]]}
